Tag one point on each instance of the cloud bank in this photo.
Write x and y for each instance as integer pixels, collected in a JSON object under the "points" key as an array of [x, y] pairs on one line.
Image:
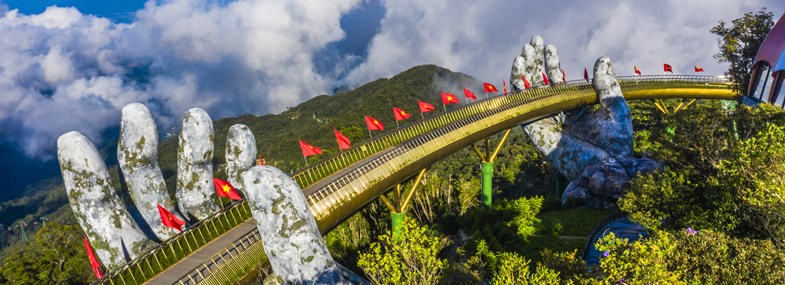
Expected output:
{"points": [[481, 38], [62, 70]]}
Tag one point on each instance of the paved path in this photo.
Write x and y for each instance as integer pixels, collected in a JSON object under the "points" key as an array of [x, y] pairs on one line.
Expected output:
{"points": [[173, 274]]}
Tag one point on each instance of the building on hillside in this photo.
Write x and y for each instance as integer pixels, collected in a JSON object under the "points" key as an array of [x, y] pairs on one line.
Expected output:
{"points": [[768, 69]]}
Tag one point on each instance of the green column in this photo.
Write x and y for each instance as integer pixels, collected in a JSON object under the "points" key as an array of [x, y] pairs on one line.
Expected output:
{"points": [[487, 183], [397, 223]]}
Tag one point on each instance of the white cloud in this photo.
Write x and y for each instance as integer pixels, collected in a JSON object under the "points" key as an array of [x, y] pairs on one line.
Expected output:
{"points": [[481, 38], [62, 70]]}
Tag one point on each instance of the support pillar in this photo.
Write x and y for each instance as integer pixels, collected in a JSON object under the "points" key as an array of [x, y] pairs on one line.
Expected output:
{"points": [[486, 192], [397, 223], [487, 184], [399, 205]]}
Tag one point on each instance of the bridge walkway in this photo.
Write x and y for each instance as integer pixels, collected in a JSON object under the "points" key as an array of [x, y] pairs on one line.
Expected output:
{"points": [[178, 273]]}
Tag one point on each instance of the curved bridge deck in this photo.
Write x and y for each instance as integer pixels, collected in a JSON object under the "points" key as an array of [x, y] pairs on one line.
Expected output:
{"points": [[338, 186]]}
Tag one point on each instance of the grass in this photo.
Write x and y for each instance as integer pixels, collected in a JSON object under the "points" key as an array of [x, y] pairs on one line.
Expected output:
{"points": [[572, 222], [564, 230]]}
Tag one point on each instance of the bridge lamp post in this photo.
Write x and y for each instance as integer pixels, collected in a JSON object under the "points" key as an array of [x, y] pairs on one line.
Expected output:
{"points": [[398, 206], [487, 168]]}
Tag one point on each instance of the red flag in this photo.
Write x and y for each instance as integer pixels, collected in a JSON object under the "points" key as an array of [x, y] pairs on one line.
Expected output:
{"points": [[309, 150], [469, 94], [698, 69], [526, 84], [93, 261], [343, 141], [449, 98], [637, 71], [425, 107], [400, 114], [505, 86], [545, 78], [489, 88], [563, 76], [225, 189], [585, 74], [667, 67], [170, 220], [373, 124], [260, 161]]}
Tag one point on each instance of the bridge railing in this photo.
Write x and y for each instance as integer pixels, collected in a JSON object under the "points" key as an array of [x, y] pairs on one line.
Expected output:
{"points": [[244, 255], [183, 244], [332, 164], [427, 130], [338, 161]]}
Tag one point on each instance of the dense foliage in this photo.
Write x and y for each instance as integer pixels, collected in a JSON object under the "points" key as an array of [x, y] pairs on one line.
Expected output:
{"points": [[408, 259], [739, 43], [712, 180], [55, 256]]}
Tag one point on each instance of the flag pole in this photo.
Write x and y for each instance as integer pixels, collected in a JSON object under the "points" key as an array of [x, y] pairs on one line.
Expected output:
{"points": [[369, 133], [486, 94], [444, 107], [306, 160], [396, 124], [422, 116]]}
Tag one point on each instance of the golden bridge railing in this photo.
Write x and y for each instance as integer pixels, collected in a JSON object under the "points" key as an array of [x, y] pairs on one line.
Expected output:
{"points": [[170, 251]]}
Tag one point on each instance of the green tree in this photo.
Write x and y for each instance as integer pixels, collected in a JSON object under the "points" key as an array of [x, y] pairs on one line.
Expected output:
{"points": [[56, 256], [410, 259], [637, 263], [711, 178], [514, 269], [688, 256], [756, 171], [739, 43]]}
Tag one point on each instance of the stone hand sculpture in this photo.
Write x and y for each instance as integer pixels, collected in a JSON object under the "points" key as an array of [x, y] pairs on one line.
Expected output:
{"points": [[120, 231], [591, 147]]}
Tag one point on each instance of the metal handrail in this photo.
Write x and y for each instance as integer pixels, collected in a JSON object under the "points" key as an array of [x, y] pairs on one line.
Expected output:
{"points": [[142, 264]]}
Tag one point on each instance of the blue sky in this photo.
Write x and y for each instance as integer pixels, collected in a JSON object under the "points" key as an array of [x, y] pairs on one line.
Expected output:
{"points": [[72, 65], [118, 10]]}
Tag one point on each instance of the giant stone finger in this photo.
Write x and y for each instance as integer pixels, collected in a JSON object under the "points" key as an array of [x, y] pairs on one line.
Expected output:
{"points": [[98, 208], [137, 156], [195, 193], [288, 230], [240, 153]]}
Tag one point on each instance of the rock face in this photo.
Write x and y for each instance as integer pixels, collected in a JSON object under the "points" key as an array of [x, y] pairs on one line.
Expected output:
{"points": [[591, 147], [291, 238], [137, 156], [240, 153], [195, 193], [98, 208]]}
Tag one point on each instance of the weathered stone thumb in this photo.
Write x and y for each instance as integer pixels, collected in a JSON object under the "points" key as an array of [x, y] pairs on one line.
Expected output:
{"points": [[614, 133], [608, 90], [288, 230], [240, 153]]}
